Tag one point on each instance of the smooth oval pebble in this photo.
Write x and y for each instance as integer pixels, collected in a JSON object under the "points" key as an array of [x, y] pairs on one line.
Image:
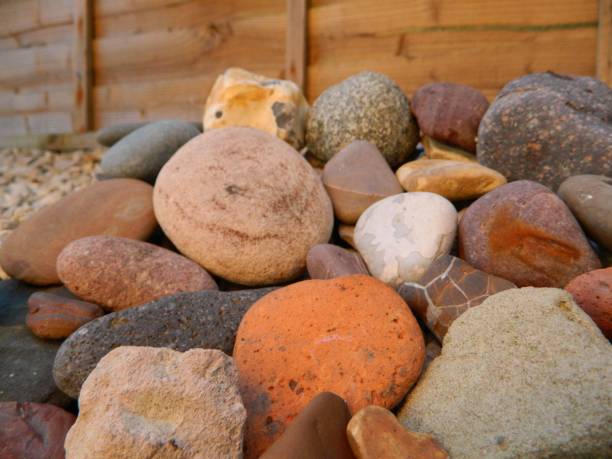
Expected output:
{"points": [[592, 291], [589, 197], [352, 335], [208, 319], [243, 204], [142, 153], [357, 177], [120, 207], [326, 261], [54, 316], [119, 273], [524, 233], [455, 180], [401, 235]]}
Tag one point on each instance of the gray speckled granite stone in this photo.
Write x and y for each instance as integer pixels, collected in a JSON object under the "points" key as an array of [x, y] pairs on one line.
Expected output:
{"points": [[545, 127], [26, 361], [207, 319], [368, 106], [142, 153]]}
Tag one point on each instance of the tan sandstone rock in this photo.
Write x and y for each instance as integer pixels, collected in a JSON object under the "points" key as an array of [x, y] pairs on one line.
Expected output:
{"points": [[242, 98], [244, 205], [439, 150], [155, 402]]}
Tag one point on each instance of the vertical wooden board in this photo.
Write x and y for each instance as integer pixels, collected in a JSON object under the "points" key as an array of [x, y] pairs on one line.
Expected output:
{"points": [[296, 44], [604, 42], [82, 66]]}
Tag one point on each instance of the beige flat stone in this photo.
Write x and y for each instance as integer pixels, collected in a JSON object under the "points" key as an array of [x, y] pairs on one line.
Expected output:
{"points": [[455, 180], [242, 98]]}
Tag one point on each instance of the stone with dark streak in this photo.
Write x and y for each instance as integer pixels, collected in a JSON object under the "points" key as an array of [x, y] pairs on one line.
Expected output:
{"points": [[207, 319], [523, 232], [447, 289], [450, 113], [546, 127], [243, 204]]}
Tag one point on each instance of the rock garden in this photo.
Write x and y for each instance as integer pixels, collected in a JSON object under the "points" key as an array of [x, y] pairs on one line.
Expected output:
{"points": [[377, 275]]}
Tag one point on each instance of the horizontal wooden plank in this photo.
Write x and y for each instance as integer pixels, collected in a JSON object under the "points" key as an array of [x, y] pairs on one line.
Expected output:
{"points": [[18, 16], [256, 44], [55, 142], [178, 15], [104, 118], [341, 17], [56, 100], [484, 59], [49, 122], [34, 65], [13, 125], [45, 36]]}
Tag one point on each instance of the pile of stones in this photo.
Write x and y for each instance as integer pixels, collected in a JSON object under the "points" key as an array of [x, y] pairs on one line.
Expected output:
{"points": [[369, 277]]}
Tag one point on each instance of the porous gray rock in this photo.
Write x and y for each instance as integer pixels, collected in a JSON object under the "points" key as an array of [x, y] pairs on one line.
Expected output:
{"points": [[368, 106], [525, 374], [142, 153], [207, 319]]}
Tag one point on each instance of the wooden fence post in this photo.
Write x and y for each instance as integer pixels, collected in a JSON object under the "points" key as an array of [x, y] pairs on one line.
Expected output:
{"points": [[82, 119], [295, 53], [604, 42]]}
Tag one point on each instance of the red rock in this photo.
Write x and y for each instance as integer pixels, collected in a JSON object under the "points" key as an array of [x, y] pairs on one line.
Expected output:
{"points": [[523, 232], [351, 335], [55, 316], [450, 113], [593, 293], [120, 207], [326, 261], [33, 430], [119, 273], [319, 431], [375, 433]]}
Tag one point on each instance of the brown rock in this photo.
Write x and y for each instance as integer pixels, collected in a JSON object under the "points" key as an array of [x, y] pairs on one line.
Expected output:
{"points": [[439, 150], [241, 98], [455, 180], [524, 233], [450, 113], [243, 204], [55, 317], [447, 289], [120, 207], [33, 430], [319, 431], [155, 402], [546, 127], [326, 261], [592, 291], [347, 234], [589, 197], [375, 433], [356, 178], [119, 273], [351, 335]]}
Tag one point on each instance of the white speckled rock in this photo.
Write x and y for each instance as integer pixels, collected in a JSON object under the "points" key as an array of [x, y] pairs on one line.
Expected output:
{"points": [[144, 402], [401, 235], [526, 374]]}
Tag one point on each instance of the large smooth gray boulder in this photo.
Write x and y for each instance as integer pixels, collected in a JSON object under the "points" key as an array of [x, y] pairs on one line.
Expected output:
{"points": [[525, 374]]}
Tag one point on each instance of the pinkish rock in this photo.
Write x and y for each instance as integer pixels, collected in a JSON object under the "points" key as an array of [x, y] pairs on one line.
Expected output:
{"points": [[523, 232], [326, 261], [592, 291], [33, 430], [119, 273]]}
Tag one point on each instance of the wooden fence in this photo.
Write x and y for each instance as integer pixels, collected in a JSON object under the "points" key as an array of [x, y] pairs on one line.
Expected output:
{"points": [[78, 65]]}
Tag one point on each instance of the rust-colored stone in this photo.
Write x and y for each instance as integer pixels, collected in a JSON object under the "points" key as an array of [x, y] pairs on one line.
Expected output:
{"points": [[351, 335], [375, 433], [524, 233], [55, 316], [593, 293], [447, 289]]}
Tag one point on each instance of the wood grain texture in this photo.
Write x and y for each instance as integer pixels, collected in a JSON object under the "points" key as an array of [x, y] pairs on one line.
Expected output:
{"points": [[604, 42], [296, 41], [82, 69]]}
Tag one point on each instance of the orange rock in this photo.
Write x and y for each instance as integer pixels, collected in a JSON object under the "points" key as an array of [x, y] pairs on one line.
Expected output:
{"points": [[375, 433], [352, 335]]}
